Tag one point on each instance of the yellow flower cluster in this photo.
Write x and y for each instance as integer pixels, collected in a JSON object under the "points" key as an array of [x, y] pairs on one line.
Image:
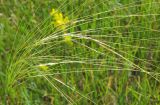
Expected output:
{"points": [[43, 67], [61, 22]]}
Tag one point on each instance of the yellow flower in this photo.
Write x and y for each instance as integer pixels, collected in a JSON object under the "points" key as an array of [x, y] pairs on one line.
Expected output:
{"points": [[61, 22], [43, 67], [68, 40], [53, 12]]}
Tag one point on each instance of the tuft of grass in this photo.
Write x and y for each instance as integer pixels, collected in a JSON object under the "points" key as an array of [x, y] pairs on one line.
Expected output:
{"points": [[113, 59]]}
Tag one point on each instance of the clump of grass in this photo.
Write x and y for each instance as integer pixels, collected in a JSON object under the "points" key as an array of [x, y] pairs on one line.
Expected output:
{"points": [[113, 57]]}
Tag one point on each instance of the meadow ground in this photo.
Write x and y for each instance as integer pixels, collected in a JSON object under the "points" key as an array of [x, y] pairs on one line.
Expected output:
{"points": [[80, 52]]}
